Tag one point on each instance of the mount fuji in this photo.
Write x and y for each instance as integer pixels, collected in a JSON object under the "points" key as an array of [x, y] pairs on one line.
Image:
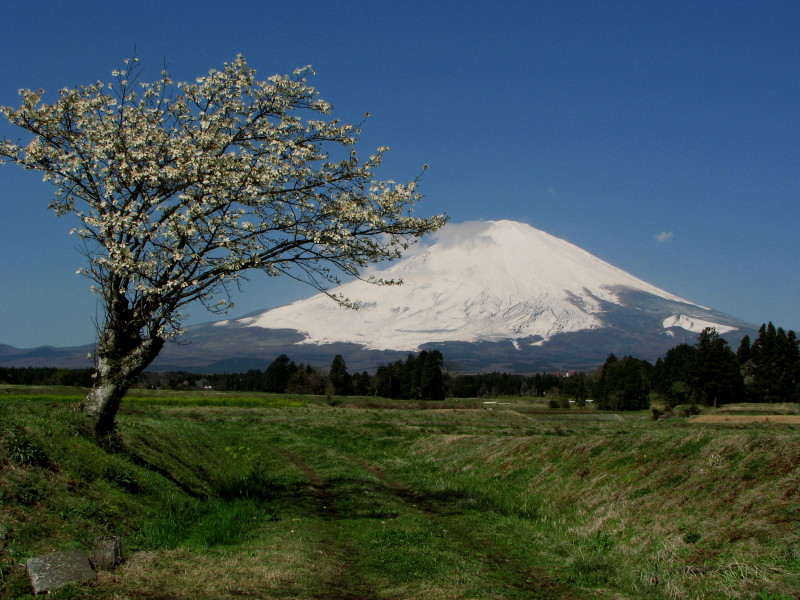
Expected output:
{"points": [[491, 295]]}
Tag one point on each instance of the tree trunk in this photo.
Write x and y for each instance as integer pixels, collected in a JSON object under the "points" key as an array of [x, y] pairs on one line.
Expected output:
{"points": [[118, 365]]}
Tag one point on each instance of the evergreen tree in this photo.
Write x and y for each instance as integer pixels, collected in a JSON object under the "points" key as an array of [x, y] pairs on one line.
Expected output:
{"points": [[419, 377], [624, 384], [278, 373], [362, 384], [675, 376], [431, 385], [576, 387], [707, 373], [339, 377], [773, 371], [743, 353], [388, 380], [717, 374], [465, 386], [306, 381], [603, 384], [411, 377]]}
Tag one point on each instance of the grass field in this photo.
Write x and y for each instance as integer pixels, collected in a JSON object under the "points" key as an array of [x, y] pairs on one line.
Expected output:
{"points": [[226, 496]]}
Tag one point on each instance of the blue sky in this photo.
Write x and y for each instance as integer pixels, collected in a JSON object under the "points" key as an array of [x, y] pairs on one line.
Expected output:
{"points": [[663, 137]]}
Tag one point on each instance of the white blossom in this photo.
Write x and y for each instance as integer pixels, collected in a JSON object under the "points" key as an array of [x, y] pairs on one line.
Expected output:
{"points": [[180, 188]]}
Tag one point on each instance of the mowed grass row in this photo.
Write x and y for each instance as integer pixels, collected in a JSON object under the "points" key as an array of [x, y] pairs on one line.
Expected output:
{"points": [[314, 501], [368, 537], [662, 510]]}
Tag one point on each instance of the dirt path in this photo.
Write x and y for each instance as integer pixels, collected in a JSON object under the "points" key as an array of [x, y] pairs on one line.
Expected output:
{"points": [[512, 578], [516, 580], [345, 583], [747, 419]]}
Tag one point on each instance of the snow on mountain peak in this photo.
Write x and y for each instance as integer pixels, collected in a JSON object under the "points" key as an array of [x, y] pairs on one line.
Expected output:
{"points": [[695, 324], [481, 280]]}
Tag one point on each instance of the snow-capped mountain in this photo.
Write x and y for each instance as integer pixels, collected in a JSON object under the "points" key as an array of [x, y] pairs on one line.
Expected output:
{"points": [[484, 281], [493, 295]]}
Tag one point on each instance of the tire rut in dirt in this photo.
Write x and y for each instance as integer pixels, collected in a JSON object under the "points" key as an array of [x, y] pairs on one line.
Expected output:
{"points": [[516, 580], [345, 585]]}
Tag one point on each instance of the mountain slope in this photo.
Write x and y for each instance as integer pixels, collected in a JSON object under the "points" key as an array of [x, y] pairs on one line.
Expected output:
{"points": [[495, 295], [487, 281]]}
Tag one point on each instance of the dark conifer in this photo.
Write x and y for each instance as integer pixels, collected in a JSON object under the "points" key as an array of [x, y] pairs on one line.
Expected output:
{"points": [[339, 377], [278, 373]]}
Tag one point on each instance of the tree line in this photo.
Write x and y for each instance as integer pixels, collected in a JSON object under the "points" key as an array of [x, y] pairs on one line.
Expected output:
{"points": [[46, 376], [421, 376], [709, 372]]}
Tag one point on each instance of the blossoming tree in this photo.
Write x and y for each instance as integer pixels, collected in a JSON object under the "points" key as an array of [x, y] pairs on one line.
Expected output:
{"points": [[179, 189]]}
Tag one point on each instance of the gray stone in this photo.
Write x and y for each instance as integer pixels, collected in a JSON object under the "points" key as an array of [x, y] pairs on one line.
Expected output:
{"points": [[57, 569], [107, 552]]}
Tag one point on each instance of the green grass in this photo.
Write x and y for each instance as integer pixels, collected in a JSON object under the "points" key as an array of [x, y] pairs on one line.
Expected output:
{"points": [[250, 495]]}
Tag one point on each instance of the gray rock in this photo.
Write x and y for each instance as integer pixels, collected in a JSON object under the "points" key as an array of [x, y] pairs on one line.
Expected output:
{"points": [[107, 552], [57, 569]]}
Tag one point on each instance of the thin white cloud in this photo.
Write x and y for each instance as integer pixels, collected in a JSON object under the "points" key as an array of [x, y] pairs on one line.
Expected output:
{"points": [[454, 234], [664, 236]]}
